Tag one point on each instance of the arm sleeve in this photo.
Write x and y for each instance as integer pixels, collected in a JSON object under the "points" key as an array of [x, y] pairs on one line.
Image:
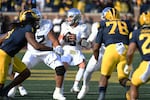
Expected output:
{"points": [[99, 37], [94, 31]]}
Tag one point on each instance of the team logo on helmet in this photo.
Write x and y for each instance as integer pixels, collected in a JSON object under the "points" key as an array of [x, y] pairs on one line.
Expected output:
{"points": [[28, 15], [103, 15], [112, 14], [145, 18]]}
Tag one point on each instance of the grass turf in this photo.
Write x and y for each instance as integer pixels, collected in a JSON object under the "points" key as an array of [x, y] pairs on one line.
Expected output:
{"points": [[41, 84]]}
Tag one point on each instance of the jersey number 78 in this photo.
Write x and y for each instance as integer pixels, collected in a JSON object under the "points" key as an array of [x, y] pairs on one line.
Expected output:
{"points": [[122, 27]]}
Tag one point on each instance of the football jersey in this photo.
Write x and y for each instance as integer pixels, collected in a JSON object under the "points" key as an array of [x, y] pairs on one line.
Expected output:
{"points": [[142, 39], [41, 36], [80, 31], [16, 39], [112, 32]]}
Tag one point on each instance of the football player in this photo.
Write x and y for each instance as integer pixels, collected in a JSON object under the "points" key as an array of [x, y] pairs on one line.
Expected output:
{"points": [[72, 33], [44, 35], [114, 33], [140, 39], [16, 39], [92, 65]]}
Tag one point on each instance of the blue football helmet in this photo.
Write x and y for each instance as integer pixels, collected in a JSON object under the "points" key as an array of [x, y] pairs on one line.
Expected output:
{"points": [[144, 18], [37, 12], [104, 11], [110, 14]]}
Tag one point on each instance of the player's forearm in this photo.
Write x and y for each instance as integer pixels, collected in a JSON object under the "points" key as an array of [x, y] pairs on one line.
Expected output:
{"points": [[43, 48], [2, 38]]}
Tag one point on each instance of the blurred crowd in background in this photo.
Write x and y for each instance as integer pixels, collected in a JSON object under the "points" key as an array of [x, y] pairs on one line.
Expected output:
{"points": [[88, 6], [125, 7]]}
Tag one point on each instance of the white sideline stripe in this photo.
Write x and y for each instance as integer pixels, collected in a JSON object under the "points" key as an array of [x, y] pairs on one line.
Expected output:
{"points": [[89, 93]]}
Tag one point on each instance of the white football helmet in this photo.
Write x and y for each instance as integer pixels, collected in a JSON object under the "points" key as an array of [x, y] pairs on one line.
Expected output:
{"points": [[35, 10], [38, 13], [73, 16]]}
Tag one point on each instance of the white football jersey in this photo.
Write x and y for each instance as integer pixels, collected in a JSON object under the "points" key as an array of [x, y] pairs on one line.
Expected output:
{"points": [[80, 30], [41, 36]]}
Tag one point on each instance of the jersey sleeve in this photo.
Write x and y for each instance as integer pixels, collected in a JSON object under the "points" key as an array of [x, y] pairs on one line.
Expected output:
{"points": [[83, 29], [99, 37], [30, 29], [63, 28], [132, 36], [130, 28], [49, 25], [94, 31]]}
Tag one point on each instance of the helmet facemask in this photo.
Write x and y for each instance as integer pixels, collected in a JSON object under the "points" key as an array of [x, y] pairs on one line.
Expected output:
{"points": [[73, 16]]}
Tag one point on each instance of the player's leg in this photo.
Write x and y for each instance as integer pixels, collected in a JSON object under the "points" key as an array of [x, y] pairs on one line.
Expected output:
{"points": [[90, 68], [59, 78], [78, 59], [29, 60], [67, 59], [24, 74], [78, 77], [5, 60], [13, 91], [140, 76], [124, 72], [54, 61], [108, 65]]}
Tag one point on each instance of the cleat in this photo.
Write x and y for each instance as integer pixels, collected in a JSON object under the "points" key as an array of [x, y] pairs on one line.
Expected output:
{"points": [[58, 96], [82, 92], [22, 91], [75, 90], [12, 92]]}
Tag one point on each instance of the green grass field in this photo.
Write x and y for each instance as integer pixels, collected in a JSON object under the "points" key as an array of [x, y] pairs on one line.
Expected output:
{"points": [[41, 84]]}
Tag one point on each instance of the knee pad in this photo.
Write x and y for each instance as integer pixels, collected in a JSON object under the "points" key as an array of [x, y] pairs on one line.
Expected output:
{"points": [[60, 70]]}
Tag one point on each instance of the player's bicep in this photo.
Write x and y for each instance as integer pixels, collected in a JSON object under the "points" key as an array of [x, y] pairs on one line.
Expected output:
{"points": [[31, 39]]}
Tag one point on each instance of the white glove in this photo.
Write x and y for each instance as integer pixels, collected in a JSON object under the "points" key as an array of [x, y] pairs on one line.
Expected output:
{"points": [[128, 69], [86, 44], [58, 49]]}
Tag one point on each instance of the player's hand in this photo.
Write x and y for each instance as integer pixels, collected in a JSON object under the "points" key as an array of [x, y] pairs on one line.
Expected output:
{"points": [[127, 69], [85, 44], [58, 49], [72, 37]]}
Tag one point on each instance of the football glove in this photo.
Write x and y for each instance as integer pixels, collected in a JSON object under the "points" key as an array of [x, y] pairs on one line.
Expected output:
{"points": [[128, 69], [86, 44], [58, 49]]}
